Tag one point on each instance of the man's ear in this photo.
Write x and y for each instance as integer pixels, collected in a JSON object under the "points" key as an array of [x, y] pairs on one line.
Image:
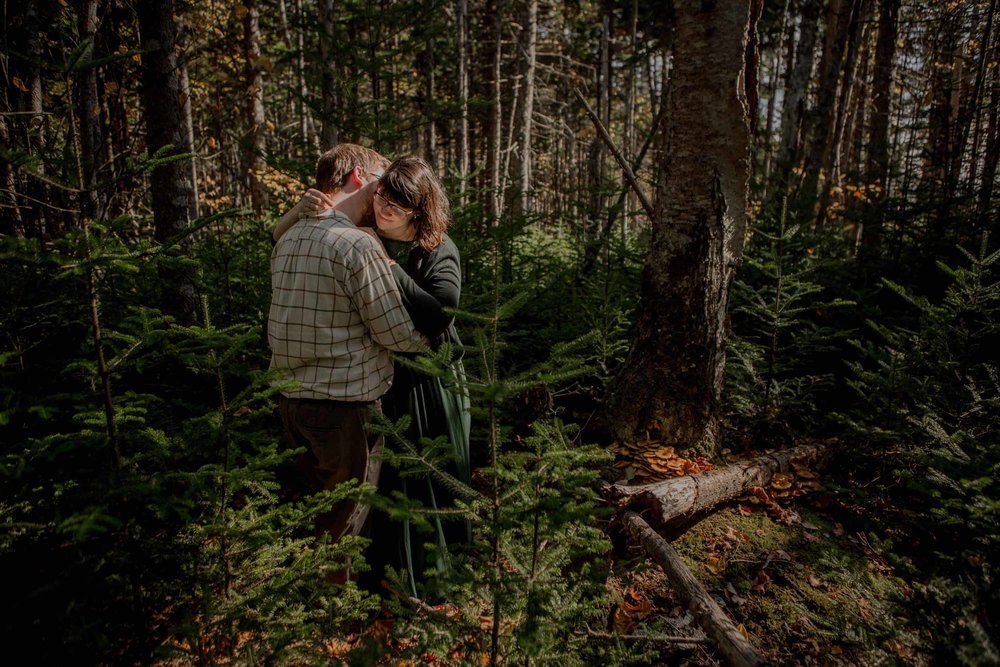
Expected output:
{"points": [[357, 177]]}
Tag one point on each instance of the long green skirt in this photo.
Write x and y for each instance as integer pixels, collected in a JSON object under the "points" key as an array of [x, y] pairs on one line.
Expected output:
{"points": [[437, 406]]}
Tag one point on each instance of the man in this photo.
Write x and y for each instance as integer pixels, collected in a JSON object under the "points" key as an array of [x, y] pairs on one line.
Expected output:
{"points": [[335, 315]]}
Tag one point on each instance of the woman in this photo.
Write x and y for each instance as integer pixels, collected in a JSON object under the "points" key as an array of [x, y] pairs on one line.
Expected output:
{"points": [[411, 214]]}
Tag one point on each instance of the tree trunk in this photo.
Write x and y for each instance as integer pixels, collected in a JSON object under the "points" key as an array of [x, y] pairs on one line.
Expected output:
{"points": [[877, 166], [89, 111], [43, 222], [826, 106], [495, 146], [985, 200], [253, 162], [772, 94], [10, 210], [976, 108], [328, 81], [171, 186], [730, 642], [461, 20], [831, 160], [682, 497], [671, 381], [793, 105], [522, 201]]}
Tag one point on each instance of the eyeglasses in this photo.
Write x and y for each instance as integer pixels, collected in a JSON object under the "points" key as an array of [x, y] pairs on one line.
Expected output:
{"points": [[390, 208]]}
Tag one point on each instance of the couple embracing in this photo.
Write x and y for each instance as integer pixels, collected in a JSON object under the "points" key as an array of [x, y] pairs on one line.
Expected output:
{"points": [[362, 268]]}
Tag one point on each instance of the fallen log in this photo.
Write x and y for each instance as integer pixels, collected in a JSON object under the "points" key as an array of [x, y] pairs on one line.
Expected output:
{"points": [[679, 497], [730, 642]]}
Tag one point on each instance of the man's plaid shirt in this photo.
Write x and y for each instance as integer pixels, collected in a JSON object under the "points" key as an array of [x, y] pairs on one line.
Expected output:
{"points": [[336, 312]]}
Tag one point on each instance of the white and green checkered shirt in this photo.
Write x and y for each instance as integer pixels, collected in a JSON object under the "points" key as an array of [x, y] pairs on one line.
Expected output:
{"points": [[336, 312]]}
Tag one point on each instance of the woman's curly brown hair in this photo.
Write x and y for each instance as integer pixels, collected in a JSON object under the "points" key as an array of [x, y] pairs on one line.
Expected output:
{"points": [[410, 182]]}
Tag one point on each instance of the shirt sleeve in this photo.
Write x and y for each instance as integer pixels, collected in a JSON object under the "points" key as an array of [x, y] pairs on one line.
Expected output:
{"points": [[377, 299], [426, 303]]}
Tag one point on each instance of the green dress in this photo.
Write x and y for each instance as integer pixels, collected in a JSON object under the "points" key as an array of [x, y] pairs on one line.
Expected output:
{"points": [[429, 282]]}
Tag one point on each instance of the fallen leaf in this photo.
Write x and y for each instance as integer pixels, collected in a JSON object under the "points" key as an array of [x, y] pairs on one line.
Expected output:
{"points": [[743, 631], [814, 581], [716, 564], [762, 582]]}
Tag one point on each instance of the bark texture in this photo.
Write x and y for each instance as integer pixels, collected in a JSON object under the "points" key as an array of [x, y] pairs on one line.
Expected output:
{"points": [[253, 163], [671, 381], [166, 112], [731, 644], [683, 496], [793, 106], [877, 166]]}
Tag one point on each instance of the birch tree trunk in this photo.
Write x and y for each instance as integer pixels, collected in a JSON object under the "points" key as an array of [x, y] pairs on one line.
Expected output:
{"points": [[793, 106], [671, 381]]}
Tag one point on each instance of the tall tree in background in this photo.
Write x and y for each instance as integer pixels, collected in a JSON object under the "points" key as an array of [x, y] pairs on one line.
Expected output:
{"points": [[877, 166], [671, 381], [88, 109], [165, 107], [793, 105], [526, 102], [253, 164]]}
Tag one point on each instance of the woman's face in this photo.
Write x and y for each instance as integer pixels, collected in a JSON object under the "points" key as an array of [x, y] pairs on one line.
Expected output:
{"points": [[393, 220]]}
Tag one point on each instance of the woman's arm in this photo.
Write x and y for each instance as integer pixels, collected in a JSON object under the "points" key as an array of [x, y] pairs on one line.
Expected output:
{"points": [[426, 302], [312, 202]]}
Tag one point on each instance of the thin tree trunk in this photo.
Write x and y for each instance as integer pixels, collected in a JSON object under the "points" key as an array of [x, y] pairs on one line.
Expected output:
{"points": [[826, 106], [35, 142], [461, 25], [877, 167], [89, 111], [629, 123], [831, 160], [793, 105], [772, 94], [10, 211], [985, 200], [495, 146], [522, 203], [328, 68], [985, 50], [671, 381], [253, 161]]}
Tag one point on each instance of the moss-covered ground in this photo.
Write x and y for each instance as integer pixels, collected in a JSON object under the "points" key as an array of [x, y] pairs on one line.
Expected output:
{"points": [[806, 590]]}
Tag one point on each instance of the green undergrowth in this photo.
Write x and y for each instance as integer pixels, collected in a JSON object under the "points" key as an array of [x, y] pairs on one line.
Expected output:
{"points": [[807, 592]]}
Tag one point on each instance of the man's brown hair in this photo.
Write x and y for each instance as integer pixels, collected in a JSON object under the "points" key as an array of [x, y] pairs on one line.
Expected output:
{"points": [[335, 165]]}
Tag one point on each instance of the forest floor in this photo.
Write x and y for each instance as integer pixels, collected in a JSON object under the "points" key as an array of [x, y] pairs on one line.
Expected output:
{"points": [[809, 581], [806, 583]]}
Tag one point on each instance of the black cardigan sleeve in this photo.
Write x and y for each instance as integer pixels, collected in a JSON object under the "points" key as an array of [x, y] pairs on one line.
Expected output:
{"points": [[439, 287]]}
